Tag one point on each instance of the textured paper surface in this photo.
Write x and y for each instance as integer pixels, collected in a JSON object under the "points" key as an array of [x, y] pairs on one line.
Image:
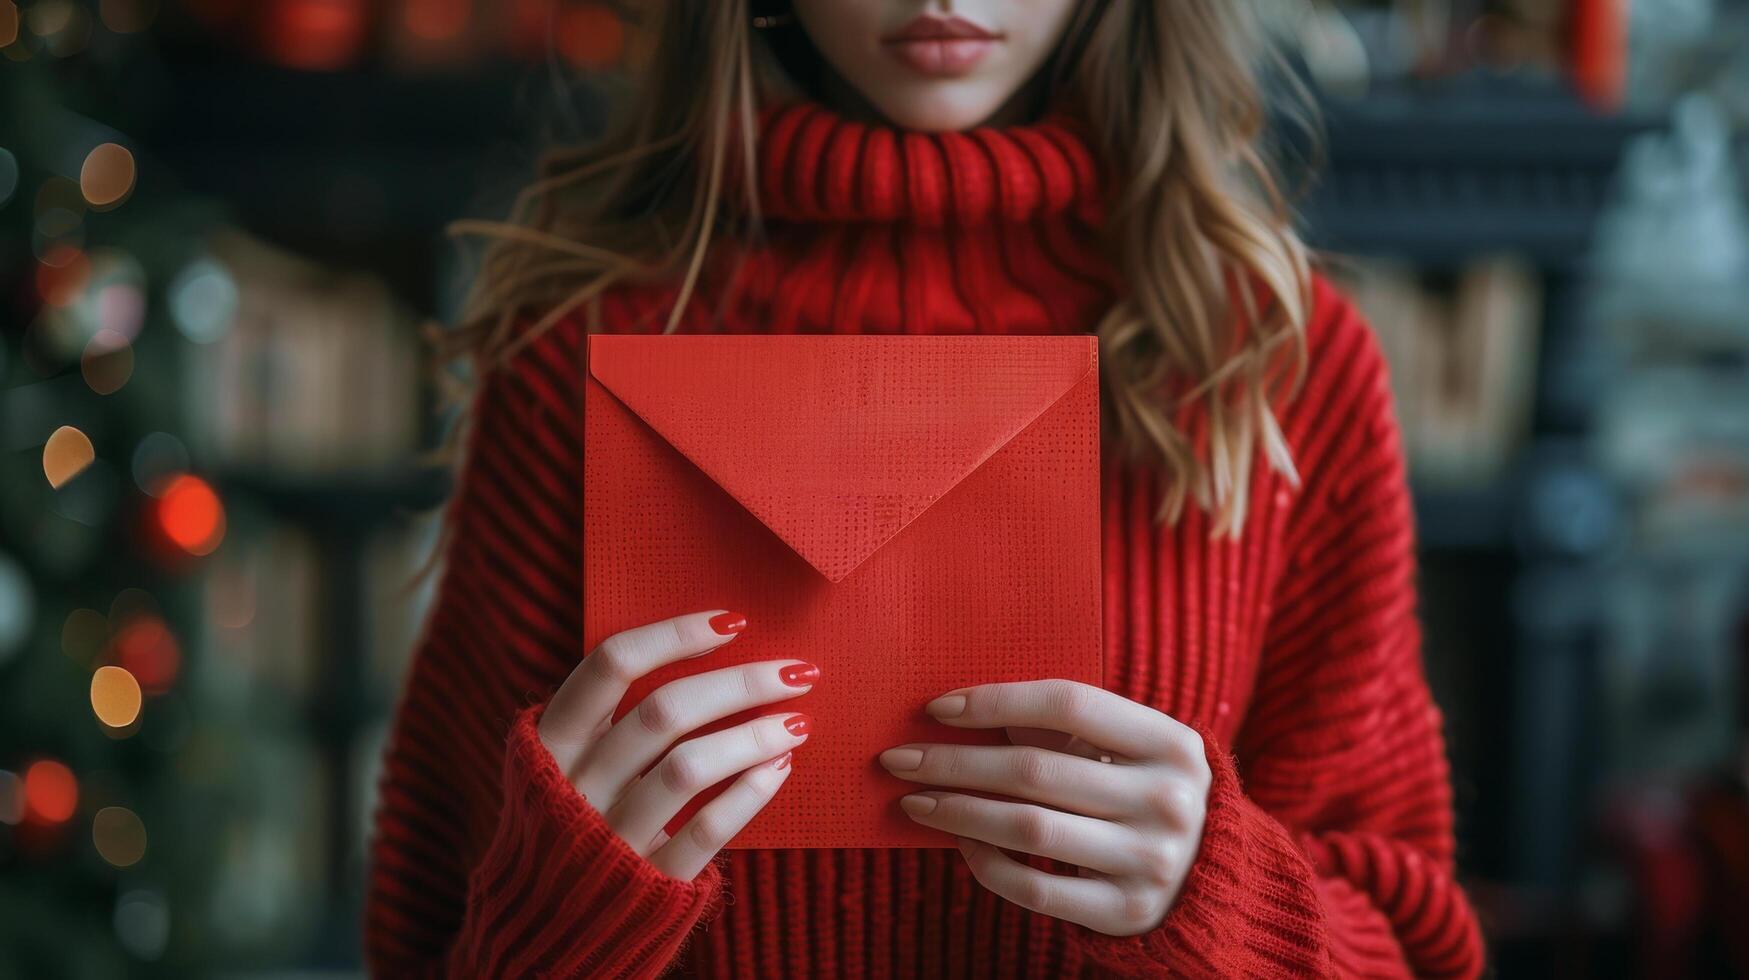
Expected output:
{"points": [[912, 514]]}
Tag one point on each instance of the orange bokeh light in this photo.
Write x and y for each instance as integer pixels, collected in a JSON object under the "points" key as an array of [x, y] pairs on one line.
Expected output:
{"points": [[191, 515], [107, 176], [115, 696], [66, 455], [51, 794]]}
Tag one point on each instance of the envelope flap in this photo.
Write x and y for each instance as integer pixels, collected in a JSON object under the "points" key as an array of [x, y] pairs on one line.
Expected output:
{"points": [[836, 443]]}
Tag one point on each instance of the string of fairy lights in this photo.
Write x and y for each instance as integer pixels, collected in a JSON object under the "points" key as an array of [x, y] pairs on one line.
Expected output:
{"points": [[108, 503], [88, 300], [91, 301], [329, 35]]}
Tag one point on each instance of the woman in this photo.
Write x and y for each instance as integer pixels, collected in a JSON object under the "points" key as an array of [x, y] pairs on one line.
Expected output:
{"points": [[901, 166]]}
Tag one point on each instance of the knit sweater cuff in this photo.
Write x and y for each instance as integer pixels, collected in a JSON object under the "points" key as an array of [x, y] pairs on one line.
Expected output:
{"points": [[1249, 901], [558, 893]]}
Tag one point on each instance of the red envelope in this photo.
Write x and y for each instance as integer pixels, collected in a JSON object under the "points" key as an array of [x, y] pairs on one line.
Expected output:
{"points": [[912, 514]]}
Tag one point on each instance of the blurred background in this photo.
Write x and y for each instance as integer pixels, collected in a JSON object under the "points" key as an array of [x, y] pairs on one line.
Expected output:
{"points": [[221, 239]]}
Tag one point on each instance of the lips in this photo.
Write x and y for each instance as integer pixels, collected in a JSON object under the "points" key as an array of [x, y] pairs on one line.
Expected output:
{"points": [[932, 28], [940, 46]]}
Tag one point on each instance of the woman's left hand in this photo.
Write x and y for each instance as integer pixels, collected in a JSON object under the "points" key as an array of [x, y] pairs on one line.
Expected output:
{"points": [[1113, 786]]}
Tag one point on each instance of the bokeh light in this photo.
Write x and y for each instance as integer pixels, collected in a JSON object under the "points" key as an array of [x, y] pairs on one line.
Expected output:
{"points": [[590, 36], [67, 453], [51, 794], [435, 20], [203, 300], [17, 607], [11, 797], [142, 922], [127, 16], [111, 300], [119, 836], [157, 458], [108, 362], [316, 35], [61, 275], [8, 33], [115, 696], [146, 648], [65, 25], [49, 17], [107, 176], [96, 291], [120, 306], [83, 635], [191, 515], [55, 230]]}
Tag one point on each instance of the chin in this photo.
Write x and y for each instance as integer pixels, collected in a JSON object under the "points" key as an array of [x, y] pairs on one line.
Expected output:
{"points": [[938, 106]]}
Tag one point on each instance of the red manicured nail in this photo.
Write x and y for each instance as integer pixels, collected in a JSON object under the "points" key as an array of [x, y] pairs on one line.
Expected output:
{"points": [[799, 675], [728, 623], [782, 761], [799, 724]]}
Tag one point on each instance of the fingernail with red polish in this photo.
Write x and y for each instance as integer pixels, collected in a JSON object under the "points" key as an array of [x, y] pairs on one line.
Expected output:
{"points": [[798, 725], [728, 623], [782, 761], [799, 675]]}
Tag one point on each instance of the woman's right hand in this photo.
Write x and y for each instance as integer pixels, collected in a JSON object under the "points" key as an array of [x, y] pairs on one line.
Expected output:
{"points": [[604, 758]]}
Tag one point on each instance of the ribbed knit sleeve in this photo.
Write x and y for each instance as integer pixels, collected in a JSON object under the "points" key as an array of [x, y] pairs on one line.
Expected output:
{"points": [[485, 860], [1334, 855]]}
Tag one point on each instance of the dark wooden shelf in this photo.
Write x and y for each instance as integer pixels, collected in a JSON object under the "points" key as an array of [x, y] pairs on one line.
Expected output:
{"points": [[1477, 165], [345, 500]]}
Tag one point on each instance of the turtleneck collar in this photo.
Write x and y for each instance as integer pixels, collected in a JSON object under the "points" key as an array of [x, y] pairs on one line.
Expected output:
{"points": [[818, 165], [870, 228]]}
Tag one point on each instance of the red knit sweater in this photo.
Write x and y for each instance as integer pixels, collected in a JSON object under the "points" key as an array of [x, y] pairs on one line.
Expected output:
{"points": [[1328, 845]]}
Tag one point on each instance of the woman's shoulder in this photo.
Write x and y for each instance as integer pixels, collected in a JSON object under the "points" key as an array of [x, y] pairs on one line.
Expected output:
{"points": [[544, 349], [1339, 338], [1343, 402], [1343, 353]]}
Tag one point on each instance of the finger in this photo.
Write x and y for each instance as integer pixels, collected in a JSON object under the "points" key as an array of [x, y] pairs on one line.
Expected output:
{"points": [[585, 701], [696, 765], [1099, 845], [1044, 738], [717, 822], [640, 737], [1092, 902], [1107, 720], [1067, 782]]}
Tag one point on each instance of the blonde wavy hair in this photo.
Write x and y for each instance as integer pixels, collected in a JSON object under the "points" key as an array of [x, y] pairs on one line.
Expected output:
{"points": [[1218, 284]]}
